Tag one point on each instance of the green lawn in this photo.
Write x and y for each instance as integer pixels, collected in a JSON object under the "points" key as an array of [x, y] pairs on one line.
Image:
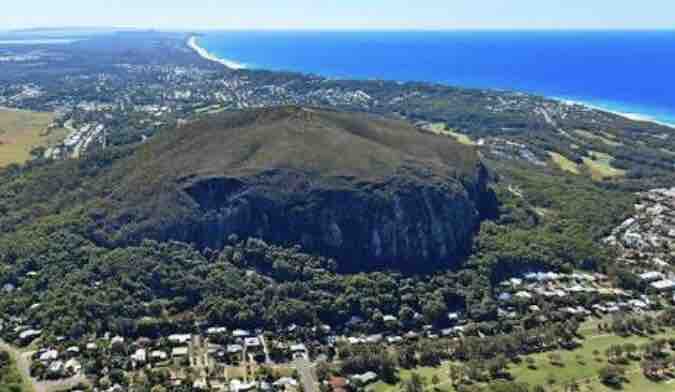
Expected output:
{"points": [[442, 129], [583, 369], [600, 166], [11, 378], [574, 370], [564, 163], [426, 372], [21, 131]]}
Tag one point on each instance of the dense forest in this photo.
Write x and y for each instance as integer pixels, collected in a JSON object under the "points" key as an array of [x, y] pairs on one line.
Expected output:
{"points": [[72, 282]]}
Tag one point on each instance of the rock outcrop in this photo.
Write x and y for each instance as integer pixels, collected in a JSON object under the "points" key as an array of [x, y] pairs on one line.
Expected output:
{"points": [[367, 191]]}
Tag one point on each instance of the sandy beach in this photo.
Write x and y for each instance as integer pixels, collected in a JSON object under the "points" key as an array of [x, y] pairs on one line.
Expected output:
{"points": [[192, 43], [630, 116]]}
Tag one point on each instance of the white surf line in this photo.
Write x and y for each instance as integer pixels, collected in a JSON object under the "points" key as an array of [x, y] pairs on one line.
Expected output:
{"points": [[203, 53]]}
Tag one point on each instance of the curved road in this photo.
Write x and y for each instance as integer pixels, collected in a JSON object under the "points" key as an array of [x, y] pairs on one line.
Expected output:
{"points": [[23, 364]]}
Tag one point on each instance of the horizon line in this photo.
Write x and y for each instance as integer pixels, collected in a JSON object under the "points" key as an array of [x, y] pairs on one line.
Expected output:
{"points": [[334, 29]]}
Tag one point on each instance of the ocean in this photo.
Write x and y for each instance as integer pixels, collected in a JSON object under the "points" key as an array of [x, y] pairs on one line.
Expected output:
{"points": [[632, 72]]}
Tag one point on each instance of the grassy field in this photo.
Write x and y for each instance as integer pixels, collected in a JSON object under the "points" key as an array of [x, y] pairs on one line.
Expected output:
{"points": [[564, 163], [21, 131], [579, 365], [441, 129], [11, 379], [427, 374], [601, 166]]}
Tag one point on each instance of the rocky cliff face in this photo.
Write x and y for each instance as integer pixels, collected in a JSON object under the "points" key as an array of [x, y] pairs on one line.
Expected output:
{"points": [[367, 191], [402, 223]]}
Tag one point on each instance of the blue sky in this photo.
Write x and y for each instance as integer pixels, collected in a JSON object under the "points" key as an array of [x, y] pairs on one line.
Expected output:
{"points": [[342, 14]]}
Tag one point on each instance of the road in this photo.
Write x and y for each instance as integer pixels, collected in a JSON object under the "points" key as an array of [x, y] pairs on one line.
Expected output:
{"points": [[267, 352], [307, 375], [23, 364]]}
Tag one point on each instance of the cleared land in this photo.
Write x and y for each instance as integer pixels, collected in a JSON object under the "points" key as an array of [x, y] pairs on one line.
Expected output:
{"points": [[564, 163], [600, 166], [21, 131], [12, 377], [579, 365], [582, 365], [442, 129]]}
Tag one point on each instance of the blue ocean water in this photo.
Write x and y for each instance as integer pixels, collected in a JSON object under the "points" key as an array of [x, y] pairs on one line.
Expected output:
{"points": [[629, 72]]}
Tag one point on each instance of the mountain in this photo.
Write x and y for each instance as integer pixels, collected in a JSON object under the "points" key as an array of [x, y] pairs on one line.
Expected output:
{"points": [[363, 189], [76, 236]]}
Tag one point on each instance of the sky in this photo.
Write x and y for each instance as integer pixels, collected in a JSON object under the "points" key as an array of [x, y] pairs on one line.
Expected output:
{"points": [[341, 14]]}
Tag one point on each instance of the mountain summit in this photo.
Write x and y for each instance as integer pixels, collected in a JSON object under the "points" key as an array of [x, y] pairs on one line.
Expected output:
{"points": [[365, 190]]}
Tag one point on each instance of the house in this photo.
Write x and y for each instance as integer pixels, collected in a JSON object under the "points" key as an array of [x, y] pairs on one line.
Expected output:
{"points": [[252, 343], [49, 355], [140, 356], [389, 319], [240, 333], [394, 339], [117, 340], [638, 304], [216, 331], [285, 382], [365, 378], [663, 285], [91, 346], [651, 276], [73, 366], [297, 348], [412, 335], [29, 334], [200, 384], [179, 352], [239, 386], [374, 339], [179, 339], [325, 328], [158, 356], [234, 348], [523, 295]]}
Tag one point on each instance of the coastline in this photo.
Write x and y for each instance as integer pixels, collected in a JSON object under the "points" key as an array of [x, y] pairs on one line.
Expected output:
{"points": [[203, 53], [640, 117]]}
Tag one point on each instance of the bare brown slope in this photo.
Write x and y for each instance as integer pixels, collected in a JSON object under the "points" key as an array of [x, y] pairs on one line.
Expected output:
{"points": [[323, 143]]}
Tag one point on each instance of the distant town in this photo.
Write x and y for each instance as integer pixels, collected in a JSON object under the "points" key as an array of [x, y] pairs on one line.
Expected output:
{"points": [[111, 99]]}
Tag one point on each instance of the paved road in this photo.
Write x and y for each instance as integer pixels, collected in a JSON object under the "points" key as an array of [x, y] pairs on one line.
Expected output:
{"points": [[267, 352], [307, 375], [23, 363]]}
